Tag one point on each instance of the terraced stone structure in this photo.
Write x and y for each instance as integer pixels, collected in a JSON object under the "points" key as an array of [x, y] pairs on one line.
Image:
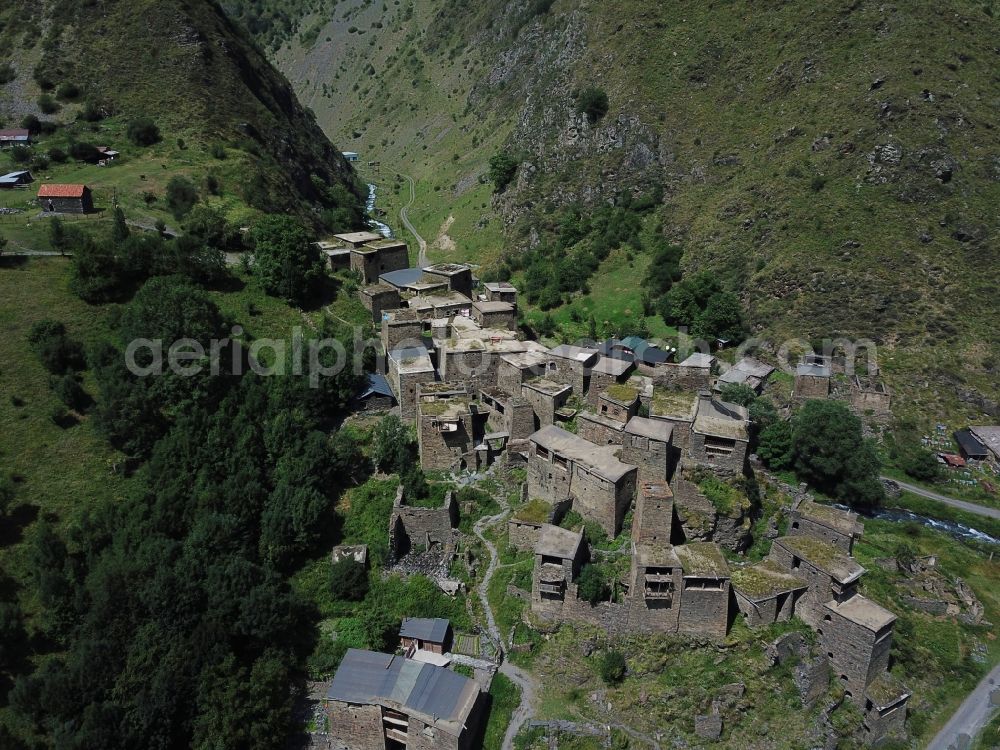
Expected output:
{"points": [[720, 434], [833, 525], [449, 426], [562, 466]]}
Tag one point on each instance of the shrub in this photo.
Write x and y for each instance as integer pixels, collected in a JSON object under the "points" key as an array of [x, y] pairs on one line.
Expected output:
{"points": [[57, 155], [612, 667], [592, 586], [775, 447], [738, 393], [47, 104], [69, 92], [218, 151], [181, 196], [919, 463], [82, 151], [593, 102], [91, 112], [143, 132], [20, 154], [503, 167], [70, 392], [32, 124], [58, 353], [349, 580], [7, 73]]}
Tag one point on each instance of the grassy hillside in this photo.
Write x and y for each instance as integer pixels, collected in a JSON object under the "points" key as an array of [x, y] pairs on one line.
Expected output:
{"points": [[227, 120], [836, 166]]}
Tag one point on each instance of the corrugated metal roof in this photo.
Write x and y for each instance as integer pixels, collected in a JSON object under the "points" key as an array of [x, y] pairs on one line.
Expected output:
{"points": [[377, 386], [434, 629], [367, 677]]}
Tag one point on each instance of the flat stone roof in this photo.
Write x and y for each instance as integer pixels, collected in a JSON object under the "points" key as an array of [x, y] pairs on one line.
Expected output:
{"points": [[601, 419], [558, 542], [448, 269], [612, 366], [401, 315], [385, 243], [765, 580], [721, 419], [358, 237], [680, 405], [812, 369], [657, 556], [823, 555], [753, 367], [548, 387], [412, 360], [600, 460], [433, 300], [525, 360], [622, 394], [500, 286], [699, 359], [378, 288], [654, 429], [844, 521], [484, 343], [493, 307], [702, 560], [576, 353], [864, 612]]}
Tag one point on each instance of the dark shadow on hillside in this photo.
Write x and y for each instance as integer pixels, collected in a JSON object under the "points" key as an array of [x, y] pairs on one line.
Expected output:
{"points": [[13, 261], [228, 283], [325, 292], [13, 526]]}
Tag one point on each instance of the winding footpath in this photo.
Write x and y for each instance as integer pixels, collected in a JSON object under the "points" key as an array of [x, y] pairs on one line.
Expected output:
{"points": [[518, 676], [980, 510], [404, 217]]}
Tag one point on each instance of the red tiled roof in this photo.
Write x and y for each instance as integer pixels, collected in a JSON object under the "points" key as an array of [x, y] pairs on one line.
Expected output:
{"points": [[61, 191]]}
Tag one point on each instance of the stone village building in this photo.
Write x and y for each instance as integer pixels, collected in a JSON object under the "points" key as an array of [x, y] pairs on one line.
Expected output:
{"points": [[563, 467], [385, 701], [480, 392]]}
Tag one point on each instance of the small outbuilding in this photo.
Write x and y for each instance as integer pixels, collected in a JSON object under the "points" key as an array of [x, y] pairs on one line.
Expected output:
{"points": [[426, 633], [16, 179], [14, 137], [66, 199]]}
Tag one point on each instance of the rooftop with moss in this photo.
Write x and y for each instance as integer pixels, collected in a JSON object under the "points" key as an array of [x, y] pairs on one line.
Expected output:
{"points": [[824, 556], [702, 559], [623, 393], [764, 581], [534, 511], [678, 404]]}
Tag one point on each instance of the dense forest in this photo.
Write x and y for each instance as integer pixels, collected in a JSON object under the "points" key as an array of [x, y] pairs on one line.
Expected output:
{"points": [[166, 620]]}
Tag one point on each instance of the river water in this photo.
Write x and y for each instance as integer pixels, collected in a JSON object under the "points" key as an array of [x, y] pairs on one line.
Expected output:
{"points": [[384, 229], [957, 530]]}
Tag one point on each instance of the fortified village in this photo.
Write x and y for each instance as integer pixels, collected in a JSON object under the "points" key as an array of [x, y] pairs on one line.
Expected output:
{"points": [[617, 433]]}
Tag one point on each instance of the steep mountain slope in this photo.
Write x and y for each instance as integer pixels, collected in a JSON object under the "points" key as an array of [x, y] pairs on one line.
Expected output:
{"points": [[838, 166], [188, 67]]}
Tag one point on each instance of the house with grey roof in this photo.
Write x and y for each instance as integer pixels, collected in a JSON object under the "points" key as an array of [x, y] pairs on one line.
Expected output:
{"points": [[427, 633], [386, 701]]}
